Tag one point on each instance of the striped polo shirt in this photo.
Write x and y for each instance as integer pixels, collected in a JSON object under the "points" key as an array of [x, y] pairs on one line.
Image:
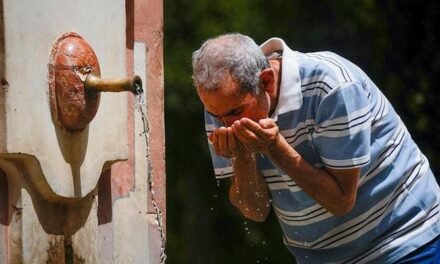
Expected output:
{"points": [[334, 116]]}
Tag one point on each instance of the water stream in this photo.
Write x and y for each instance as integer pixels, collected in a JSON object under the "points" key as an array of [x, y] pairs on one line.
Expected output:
{"points": [[140, 106], [253, 181]]}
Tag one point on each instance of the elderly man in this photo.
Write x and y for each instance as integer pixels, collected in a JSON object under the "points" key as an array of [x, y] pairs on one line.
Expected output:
{"points": [[312, 135]]}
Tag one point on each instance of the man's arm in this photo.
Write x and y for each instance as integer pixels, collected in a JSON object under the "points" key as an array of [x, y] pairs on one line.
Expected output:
{"points": [[333, 189], [248, 191]]}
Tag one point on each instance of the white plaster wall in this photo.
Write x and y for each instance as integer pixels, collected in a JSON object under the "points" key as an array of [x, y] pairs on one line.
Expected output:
{"points": [[30, 30], [130, 214], [85, 240], [3, 248], [34, 233]]}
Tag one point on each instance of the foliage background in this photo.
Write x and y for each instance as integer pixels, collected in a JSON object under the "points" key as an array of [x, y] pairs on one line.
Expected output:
{"points": [[395, 42]]}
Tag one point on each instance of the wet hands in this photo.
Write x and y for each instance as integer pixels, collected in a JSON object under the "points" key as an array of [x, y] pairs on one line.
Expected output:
{"points": [[225, 143], [245, 136], [256, 137]]}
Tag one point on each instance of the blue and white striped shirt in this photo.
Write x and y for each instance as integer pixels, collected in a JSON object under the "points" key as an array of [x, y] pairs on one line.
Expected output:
{"points": [[334, 116]]}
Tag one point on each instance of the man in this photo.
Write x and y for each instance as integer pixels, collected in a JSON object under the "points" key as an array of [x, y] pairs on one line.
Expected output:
{"points": [[311, 135]]}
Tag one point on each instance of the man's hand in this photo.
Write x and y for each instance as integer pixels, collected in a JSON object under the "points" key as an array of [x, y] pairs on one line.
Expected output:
{"points": [[248, 191], [245, 136], [225, 143], [256, 137]]}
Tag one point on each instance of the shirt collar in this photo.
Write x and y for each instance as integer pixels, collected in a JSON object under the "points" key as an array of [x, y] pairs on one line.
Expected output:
{"points": [[290, 96]]}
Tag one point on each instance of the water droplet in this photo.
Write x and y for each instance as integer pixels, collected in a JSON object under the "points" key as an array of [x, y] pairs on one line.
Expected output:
{"points": [[232, 159], [212, 209], [264, 242]]}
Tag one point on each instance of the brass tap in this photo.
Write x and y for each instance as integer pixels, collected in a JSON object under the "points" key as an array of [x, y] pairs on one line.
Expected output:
{"points": [[95, 83]]}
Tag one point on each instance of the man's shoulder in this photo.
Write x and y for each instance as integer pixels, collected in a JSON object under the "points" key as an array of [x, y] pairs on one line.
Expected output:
{"points": [[327, 65]]}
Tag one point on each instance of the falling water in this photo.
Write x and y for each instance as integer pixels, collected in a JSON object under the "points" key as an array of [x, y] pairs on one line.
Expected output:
{"points": [[252, 181], [247, 228], [140, 106]]}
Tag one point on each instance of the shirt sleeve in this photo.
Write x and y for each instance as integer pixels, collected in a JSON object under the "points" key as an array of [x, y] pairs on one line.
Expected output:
{"points": [[343, 127], [222, 166]]}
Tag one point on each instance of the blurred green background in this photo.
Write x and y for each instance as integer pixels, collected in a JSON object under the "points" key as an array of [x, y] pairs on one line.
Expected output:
{"points": [[395, 42]]}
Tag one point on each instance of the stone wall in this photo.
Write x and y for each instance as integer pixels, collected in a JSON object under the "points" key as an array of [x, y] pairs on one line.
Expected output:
{"points": [[121, 217]]}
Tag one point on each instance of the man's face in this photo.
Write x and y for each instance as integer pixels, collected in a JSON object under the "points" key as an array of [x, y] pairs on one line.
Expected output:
{"points": [[229, 104]]}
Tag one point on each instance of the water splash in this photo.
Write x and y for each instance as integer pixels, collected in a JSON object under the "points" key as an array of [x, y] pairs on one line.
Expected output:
{"points": [[140, 106]]}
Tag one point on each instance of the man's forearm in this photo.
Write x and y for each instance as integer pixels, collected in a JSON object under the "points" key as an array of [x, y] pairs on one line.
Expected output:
{"points": [[334, 194], [248, 190]]}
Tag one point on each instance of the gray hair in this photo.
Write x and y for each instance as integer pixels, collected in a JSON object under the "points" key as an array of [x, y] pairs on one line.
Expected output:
{"points": [[233, 54]]}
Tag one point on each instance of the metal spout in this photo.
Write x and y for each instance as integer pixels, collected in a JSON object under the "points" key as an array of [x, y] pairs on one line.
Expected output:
{"points": [[95, 83]]}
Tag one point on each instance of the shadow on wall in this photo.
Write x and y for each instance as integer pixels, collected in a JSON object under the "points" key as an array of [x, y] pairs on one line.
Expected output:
{"points": [[56, 217], [4, 199], [73, 146]]}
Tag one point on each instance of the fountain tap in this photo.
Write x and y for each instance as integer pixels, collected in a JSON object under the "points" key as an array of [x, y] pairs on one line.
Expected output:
{"points": [[75, 84], [97, 84]]}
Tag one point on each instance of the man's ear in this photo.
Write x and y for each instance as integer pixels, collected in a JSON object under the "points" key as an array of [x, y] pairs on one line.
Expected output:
{"points": [[267, 78]]}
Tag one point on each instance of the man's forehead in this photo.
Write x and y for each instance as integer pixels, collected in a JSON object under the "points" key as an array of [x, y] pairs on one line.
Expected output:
{"points": [[225, 88]]}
